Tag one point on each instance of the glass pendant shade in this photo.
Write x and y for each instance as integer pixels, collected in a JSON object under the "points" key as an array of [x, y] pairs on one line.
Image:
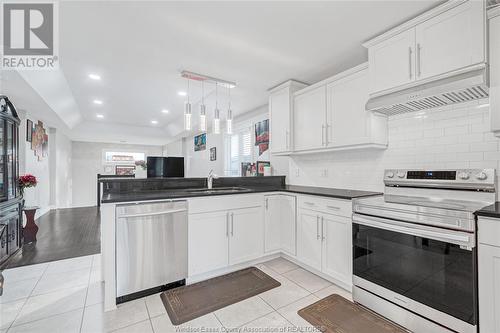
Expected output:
{"points": [[216, 124], [229, 122], [187, 116], [203, 118]]}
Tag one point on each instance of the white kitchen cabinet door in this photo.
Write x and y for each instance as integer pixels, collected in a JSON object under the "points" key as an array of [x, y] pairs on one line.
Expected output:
{"points": [[489, 288], [392, 62], [288, 225], [348, 120], [246, 234], [337, 249], [272, 223], [309, 239], [279, 110], [309, 112], [451, 40], [494, 59], [207, 242]]}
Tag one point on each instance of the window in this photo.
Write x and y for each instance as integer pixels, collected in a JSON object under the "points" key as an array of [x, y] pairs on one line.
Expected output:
{"points": [[123, 157], [239, 150]]}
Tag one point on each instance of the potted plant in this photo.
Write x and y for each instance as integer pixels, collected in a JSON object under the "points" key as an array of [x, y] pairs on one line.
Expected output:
{"points": [[26, 181]]}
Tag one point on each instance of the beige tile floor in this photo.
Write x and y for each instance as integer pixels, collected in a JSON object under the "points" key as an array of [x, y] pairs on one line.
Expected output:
{"points": [[66, 296]]}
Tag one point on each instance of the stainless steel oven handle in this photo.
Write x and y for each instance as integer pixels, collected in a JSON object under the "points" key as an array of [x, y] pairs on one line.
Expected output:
{"points": [[165, 212], [449, 236]]}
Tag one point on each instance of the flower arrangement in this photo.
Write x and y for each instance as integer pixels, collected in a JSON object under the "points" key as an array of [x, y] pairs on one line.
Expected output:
{"points": [[26, 181], [142, 164]]}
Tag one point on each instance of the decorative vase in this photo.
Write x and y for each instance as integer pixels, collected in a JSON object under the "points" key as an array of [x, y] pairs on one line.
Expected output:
{"points": [[141, 172]]}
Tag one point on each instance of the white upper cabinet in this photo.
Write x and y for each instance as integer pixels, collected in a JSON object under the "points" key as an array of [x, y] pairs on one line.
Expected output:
{"points": [[309, 116], [392, 62], [447, 38], [348, 123], [452, 40], [494, 25], [280, 109]]}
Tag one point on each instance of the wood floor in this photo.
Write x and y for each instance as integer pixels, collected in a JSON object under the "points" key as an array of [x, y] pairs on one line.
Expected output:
{"points": [[63, 233]]}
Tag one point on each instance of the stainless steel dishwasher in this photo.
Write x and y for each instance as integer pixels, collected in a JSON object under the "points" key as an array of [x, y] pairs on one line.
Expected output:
{"points": [[151, 248]]}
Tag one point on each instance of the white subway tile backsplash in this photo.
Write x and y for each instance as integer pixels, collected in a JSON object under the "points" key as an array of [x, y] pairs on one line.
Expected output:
{"points": [[451, 137]]}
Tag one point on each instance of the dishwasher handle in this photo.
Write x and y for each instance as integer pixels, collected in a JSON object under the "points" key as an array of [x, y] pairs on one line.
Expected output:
{"points": [[165, 212]]}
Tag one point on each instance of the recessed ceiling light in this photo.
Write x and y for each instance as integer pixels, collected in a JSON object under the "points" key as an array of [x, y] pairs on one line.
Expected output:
{"points": [[100, 116], [182, 93], [97, 101], [165, 111], [94, 76], [154, 122]]}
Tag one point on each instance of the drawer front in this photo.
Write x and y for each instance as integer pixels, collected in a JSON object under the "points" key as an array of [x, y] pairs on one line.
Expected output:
{"points": [[329, 206], [489, 231]]}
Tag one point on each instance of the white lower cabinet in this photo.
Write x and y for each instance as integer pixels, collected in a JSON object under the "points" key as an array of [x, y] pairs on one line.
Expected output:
{"points": [[309, 245], [489, 288], [337, 248], [489, 274], [324, 240], [246, 241], [280, 223], [207, 242], [217, 239]]}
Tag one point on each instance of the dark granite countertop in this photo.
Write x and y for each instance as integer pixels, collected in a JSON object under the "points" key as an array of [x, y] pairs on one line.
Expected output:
{"points": [[187, 193], [490, 211]]}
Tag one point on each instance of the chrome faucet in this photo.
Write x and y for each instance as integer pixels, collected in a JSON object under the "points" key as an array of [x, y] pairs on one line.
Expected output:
{"points": [[210, 179]]}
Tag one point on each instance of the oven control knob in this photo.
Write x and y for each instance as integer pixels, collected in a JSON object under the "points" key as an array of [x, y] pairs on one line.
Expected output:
{"points": [[401, 174], [481, 176], [463, 176], [390, 174]]}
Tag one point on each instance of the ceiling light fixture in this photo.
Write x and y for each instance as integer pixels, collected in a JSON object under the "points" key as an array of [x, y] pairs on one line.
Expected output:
{"points": [[216, 124], [100, 116], [229, 120], [154, 122], [203, 110], [187, 111], [182, 93], [97, 101], [165, 111], [95, 77]]}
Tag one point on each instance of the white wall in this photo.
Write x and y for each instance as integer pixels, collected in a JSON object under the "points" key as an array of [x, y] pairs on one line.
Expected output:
{"points": [[452, 137], [63, 171], [197, 163], [87, 162]]}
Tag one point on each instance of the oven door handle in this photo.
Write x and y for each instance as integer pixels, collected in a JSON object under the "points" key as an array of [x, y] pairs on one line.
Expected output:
{"points": [[463, 239]]}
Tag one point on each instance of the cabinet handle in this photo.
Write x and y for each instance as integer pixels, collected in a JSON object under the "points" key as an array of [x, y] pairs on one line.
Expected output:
{"points": [[333, 207], [322, 135], [409, 61], [227, 224], [232, 224], [309, 203], [418, 60], [323, 228], [317, 227], [267, 203], [326, 134], [287, 142]]}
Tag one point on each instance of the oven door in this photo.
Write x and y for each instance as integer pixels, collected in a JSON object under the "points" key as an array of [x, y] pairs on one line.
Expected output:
{"points": [[425, 265]]}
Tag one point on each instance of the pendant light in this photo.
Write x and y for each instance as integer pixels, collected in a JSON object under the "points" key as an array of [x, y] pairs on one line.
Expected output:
{"points": [[187, 111], [203, 110], [216, 124], [229, 120]]}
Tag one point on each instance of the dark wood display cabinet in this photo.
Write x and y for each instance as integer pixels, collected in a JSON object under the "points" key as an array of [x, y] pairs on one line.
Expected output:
{"points": [[10, 198]]}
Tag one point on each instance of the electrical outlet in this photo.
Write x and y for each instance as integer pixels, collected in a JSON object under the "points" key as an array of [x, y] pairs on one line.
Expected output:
{"points": [[297, 172], [324, 173]]}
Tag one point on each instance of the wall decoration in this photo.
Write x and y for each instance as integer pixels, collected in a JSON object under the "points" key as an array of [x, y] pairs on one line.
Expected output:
{"points": [[262, 135], [260, 167], [213, 154], [200, 142], [40, 141], [29, 130], [246, 169], [125, 170]]}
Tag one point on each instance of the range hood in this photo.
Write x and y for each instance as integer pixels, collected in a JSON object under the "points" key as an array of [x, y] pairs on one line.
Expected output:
{"points": [[459, 87]]}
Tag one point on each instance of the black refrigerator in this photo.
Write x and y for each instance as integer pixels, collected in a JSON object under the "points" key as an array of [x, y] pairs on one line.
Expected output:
{"points": [[165, 166]]}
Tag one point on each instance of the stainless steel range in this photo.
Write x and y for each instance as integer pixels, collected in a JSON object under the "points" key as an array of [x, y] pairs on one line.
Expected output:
{"points": [[414, 249]]}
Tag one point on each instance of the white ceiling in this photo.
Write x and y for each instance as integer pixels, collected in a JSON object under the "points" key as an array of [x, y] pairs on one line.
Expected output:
{"points": [[139, 49]]}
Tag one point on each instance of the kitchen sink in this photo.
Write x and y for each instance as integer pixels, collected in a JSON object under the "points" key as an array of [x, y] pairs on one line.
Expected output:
{"points": [[219, 190]]}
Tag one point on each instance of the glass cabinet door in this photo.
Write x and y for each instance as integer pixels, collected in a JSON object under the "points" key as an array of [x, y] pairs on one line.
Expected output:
{"points": [[3, 193], [9, 155]]}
